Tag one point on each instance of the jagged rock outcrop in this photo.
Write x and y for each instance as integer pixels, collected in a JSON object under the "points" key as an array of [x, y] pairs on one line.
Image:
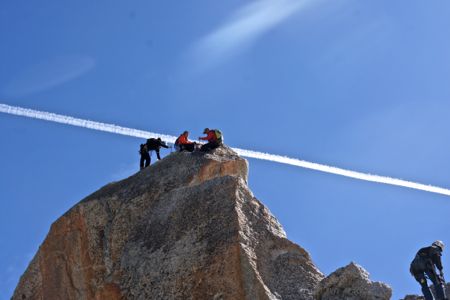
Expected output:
{"points": [[417, 297], [187, 227], [351, 283]]}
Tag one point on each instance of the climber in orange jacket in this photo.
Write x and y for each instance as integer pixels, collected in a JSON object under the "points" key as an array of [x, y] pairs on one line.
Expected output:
{"points": [[182, 143], [214, 138]]}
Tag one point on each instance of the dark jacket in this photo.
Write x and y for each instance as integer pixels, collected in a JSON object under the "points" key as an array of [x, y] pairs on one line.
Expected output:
{"points": [[427, 258], [155, 144]]}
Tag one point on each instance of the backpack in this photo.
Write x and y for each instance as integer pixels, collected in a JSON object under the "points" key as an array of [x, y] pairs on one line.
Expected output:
{"points": [[153, 144], [219, 135], [422, 261], [143, 149], [418, 265]]}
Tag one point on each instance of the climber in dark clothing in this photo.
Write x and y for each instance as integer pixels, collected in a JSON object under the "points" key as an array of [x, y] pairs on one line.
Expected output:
{"points": [[214, 138], [155, 145], [151, 145], [424, 266]]}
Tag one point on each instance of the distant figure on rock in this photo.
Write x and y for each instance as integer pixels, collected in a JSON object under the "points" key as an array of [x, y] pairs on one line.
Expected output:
{"points": [[151, 145], [424, 266], [214, 138], [182, 143]]}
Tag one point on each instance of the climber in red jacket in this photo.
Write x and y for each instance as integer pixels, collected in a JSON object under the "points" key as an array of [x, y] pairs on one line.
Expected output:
{"points": [[183, 143], [214, 138]]}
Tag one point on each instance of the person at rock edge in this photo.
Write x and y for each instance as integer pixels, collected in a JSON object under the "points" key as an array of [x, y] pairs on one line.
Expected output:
{"points": [[214, 138], [182, 143], [155, 145], [151, 145], [424, 266]]}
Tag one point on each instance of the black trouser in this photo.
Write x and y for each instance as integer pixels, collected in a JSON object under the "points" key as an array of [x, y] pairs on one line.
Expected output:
{"points": [[421, 277], [210, 146], [157, 154], [156, 149], [145, 158], [187, 147]]}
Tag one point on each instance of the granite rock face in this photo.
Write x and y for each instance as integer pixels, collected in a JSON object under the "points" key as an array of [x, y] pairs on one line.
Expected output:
{"points": [[187, 227], [351, 283]]}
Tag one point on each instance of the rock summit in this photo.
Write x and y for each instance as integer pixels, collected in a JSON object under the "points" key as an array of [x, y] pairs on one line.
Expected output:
{"points": [[187, 227]]}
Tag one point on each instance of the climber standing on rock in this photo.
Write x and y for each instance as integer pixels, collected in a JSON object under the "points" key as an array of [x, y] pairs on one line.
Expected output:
{"points": [[214, 138], [424, 266], [152, 144], [155, 145]]}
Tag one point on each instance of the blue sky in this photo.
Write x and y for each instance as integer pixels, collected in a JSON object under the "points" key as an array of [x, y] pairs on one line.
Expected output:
{"points": [[358, 85]]}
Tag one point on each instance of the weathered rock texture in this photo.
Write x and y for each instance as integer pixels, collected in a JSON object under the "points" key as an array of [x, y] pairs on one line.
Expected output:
{"points": [[413, 297], [417, 297], [187, 227], [351, 283]]}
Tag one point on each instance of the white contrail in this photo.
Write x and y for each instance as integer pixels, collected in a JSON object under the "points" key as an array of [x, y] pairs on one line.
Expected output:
{"points": [[47, 116], [31, 113]]}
